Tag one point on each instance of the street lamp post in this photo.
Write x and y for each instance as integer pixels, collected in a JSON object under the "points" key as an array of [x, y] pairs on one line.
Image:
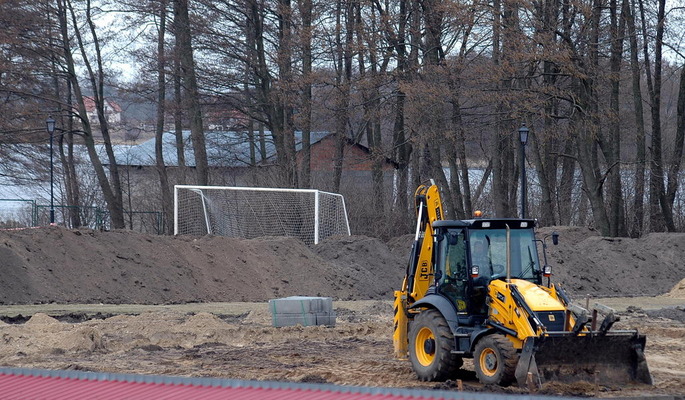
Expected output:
{"points": [[523, 137], [50, 122]]}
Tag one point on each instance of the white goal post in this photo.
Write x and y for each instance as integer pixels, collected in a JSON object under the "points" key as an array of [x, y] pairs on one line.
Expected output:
{"points": [[249, 212]]}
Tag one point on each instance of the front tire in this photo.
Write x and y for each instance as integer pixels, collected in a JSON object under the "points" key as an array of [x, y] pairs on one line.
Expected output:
{"points": [[430, 347], [495, 360]]}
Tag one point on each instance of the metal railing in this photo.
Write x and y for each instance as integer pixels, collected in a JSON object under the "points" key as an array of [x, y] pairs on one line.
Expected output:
{"points": [[22, 213]]}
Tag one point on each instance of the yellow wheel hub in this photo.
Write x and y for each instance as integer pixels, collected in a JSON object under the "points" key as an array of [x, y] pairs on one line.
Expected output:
{"points": [[488, 362], [425, 346]]}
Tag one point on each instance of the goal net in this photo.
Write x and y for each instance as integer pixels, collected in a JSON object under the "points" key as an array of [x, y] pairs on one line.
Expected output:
{"points": [[247, 212]]}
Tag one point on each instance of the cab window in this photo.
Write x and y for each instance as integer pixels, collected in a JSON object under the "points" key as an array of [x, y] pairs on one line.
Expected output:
{"points": [[453, 254], [488, 249]]}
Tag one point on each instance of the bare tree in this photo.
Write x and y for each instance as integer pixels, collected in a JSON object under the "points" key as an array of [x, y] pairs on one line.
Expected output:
{"points": [[189, 83], [167, 200], [676, 158], [306, 11], [660, 211], [344, 28], [111, 191], [636, 74]]}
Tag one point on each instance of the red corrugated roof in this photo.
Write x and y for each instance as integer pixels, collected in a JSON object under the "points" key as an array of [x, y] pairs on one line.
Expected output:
{"points": [[33, 384], [17, 386]]}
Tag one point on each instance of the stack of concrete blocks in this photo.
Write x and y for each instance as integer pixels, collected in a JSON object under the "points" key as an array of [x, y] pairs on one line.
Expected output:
{"points": [[301, 310]]}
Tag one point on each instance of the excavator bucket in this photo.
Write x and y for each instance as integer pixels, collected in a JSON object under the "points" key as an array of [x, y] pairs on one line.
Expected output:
{"points": [[610, 359]]}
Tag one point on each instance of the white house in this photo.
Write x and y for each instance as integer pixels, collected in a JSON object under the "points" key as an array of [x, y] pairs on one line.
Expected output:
{"points": [[112, 111]]}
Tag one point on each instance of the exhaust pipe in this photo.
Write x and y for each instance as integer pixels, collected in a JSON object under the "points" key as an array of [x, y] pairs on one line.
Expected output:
{"points": [[508, 253]]}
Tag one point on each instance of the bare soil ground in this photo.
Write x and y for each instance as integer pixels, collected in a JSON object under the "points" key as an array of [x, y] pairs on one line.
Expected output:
{"points": [[236, 340], [152, 295]]}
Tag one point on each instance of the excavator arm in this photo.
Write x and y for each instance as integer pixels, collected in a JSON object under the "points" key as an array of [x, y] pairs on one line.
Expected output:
{"points": [[420, 270]]}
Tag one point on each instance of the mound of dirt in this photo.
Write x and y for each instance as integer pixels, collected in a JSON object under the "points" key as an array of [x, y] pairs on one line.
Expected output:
{"points": [[586, 263], [401, 245], [54, 264], [368, 264], [676, 313]]}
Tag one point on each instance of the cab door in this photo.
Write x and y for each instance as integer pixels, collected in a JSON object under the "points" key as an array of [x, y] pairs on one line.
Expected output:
{"points": [[454, 278]]}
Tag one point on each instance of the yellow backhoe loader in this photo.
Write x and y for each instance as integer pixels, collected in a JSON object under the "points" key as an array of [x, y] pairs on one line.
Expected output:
{"points": [[474, 289]]}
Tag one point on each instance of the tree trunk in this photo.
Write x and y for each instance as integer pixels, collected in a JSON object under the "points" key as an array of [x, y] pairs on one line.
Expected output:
{"points": [[274, 96], [192, 94], [115, 206], [566, 183], [545, 143], [612, 152], [434, 162], [402, 149], [71, 183], [343, 78], [285, 94], [372, 109], [590, 131], [640, 142], [592, 183], [483, 182], [306, 37], [456, 151], [505, 170], [660, 212], [677, 157], [113, 200], [167, 200], [178, 116], [546, 167], [74, 190], [262, 142]]}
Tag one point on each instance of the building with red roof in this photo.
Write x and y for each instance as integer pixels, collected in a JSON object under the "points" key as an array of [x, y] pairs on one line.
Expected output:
{"points": [[112, 111]]}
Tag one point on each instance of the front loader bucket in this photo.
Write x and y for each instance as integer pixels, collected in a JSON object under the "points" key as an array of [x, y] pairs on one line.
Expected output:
{"points": [[612, 359]]}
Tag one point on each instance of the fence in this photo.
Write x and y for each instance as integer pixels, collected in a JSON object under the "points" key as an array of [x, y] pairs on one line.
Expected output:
{"points": [[20, 213]]}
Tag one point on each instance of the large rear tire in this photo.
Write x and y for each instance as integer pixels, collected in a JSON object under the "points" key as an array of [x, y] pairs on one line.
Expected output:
{"points": [[495, 360], [430, 347]]}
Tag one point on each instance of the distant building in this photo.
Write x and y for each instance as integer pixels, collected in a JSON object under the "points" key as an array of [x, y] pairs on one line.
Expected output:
{"points": [[356, 157], [226, 120], [232, 149], [112, 111], [232, 163]]}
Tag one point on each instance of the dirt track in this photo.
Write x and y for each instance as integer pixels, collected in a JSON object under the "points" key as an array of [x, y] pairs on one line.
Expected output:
{"points": [[237, 341]]}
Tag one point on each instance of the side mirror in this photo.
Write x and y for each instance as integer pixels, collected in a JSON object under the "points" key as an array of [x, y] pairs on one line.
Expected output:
{"points": [[475, 271], [555, 238], [547, 271]]}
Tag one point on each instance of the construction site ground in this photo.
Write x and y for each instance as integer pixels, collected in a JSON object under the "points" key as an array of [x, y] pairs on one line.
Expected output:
{"points": [[64, 306]]}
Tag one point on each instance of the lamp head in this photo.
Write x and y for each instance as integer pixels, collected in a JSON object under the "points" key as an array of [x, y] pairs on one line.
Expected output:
{"points": [[523, 134], [50, 122]]}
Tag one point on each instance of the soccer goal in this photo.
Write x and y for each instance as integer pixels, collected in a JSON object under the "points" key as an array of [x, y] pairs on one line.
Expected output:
{"points": [[247, 212]]}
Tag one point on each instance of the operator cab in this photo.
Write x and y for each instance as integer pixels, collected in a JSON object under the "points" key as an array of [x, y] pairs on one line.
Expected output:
{"points": [[472, 253]]}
